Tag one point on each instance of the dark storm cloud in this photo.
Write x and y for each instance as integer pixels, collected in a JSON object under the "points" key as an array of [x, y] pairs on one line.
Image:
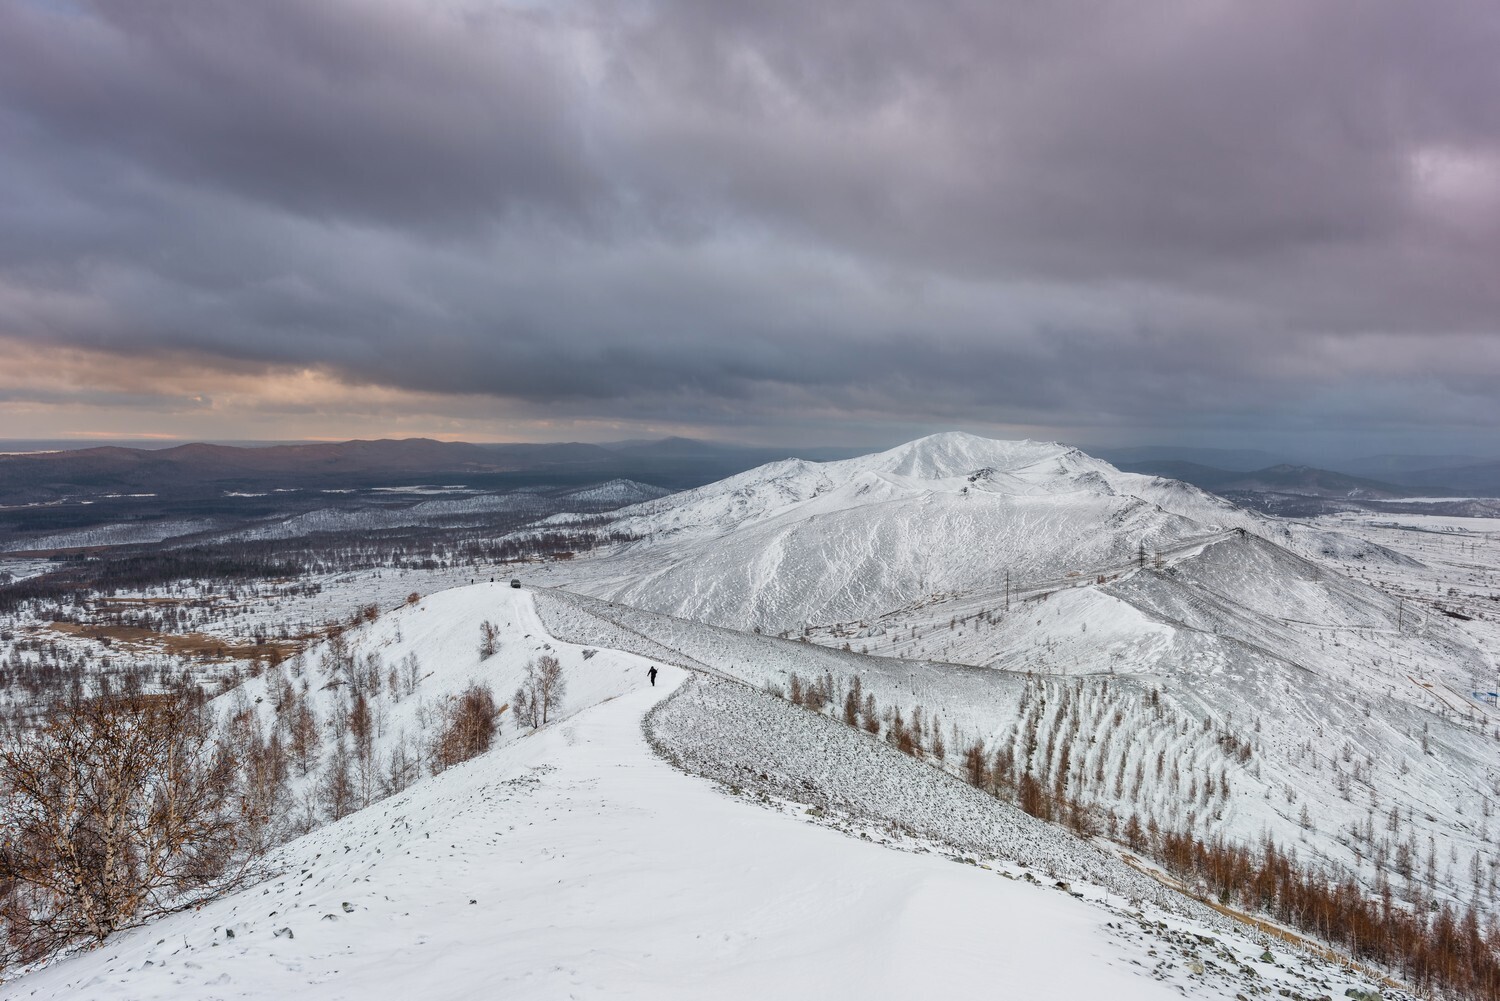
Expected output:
{"points": [[333, 110], [1276, 214]]}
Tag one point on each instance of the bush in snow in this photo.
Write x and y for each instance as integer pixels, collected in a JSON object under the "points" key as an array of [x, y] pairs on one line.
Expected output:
{"points": [[114, 810], [469, 729], [489, 639]]}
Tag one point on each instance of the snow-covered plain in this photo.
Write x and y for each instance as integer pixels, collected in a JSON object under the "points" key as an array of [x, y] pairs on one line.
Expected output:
{"points": [[575, 862]]}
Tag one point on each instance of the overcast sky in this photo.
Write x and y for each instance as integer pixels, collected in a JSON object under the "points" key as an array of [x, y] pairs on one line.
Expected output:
{"points": [[1250, 224]]}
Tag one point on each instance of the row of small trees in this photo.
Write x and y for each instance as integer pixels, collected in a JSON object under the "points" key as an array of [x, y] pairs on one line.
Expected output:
{"points": [[1447, 950], [1450, 952]]}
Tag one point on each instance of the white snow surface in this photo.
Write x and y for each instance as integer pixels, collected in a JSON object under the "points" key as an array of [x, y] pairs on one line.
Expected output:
{"points": [[794, 542], [1338, 660], [572, 861], [1358, 698]]}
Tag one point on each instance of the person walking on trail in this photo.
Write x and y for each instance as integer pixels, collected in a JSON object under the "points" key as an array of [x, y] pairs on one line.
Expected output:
{"points": [[652, 675]]}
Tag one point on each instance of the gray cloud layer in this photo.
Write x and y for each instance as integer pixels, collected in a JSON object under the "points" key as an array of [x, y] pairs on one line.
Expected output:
{"points": [[1077, 214]]}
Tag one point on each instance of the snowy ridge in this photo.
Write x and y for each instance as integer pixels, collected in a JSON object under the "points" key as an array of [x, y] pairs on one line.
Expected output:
{"points": [[616, 493], [129, 533], [430, 512], [797, 542], [1346, 694], [572, 861]]}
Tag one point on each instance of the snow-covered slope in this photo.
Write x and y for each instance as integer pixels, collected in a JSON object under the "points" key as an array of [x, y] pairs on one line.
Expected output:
{"points": [[1365, 737], [1234, 741], [798, 542], [574, 862]]}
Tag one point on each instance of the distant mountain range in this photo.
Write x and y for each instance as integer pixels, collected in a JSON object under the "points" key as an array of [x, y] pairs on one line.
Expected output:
{"points": [[1478, 479], [1284, 478], [203, 471], [1304, 491], [1377, 476], [198, 470]]}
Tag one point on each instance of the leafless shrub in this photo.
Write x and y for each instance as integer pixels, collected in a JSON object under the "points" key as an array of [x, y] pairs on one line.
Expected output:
{"points": [[541, 694], [469, 728], [489, 639], [114, 810]]}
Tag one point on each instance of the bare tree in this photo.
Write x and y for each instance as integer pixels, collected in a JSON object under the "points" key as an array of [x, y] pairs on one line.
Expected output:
{"points": [[362, 727], [852, 700], [976, 764], [541, 694], [304, 734], [489, 639], [337, 663], [411, 673], [336, 789], [114, 810], [469, 730], [401, 767]]}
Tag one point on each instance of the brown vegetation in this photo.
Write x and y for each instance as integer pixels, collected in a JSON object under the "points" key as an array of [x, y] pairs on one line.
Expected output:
{"points": [[470, 728], [113, 810], [1433, 946], [196, 646], [1448, 950]]}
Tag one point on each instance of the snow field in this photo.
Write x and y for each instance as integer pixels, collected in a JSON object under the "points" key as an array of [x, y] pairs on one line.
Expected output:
{"points": [[1343, 754], [574, 862], [782, 756], [1311, 646]]}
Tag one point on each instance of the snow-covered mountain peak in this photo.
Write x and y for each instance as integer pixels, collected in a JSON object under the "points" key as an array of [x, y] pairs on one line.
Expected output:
{"points": [[957, 453], [964, 467], [794, 542]]}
